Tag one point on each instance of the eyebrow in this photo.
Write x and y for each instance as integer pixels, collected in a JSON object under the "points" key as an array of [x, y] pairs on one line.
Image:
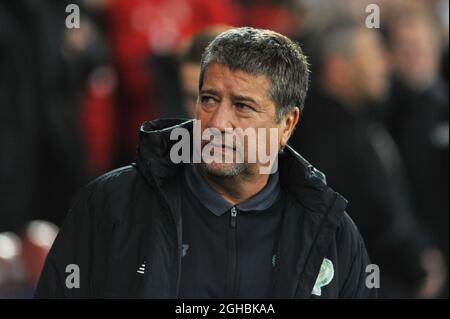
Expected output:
{"points": [[245, 98], [209, 91]]}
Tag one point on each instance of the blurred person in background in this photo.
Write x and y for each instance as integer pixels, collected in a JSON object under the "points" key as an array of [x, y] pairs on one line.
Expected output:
{"points": [[360, 158], [189, 66], [42, 159], [43, 153], [418, 114]]}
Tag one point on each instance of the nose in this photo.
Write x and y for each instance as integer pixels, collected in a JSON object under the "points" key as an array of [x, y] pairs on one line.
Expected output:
{"points": [[221, 118]]}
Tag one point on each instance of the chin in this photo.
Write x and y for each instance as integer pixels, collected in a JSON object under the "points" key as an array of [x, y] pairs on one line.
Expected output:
{"points": [[224, 169]]}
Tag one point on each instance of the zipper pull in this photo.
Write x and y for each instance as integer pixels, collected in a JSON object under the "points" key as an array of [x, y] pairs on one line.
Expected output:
{"points": [[233, 216]]}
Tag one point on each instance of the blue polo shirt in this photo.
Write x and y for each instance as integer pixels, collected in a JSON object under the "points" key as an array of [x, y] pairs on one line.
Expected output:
{"points": [[229, 251]]}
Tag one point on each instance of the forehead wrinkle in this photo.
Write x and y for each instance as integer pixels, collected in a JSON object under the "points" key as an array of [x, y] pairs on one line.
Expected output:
{"points": [[238, 83]]}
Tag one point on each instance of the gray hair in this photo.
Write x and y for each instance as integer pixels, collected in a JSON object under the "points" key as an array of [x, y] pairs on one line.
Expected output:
{"points": [[263, 52]]}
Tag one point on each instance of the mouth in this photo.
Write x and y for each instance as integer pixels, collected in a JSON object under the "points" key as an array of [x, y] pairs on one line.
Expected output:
{"points": [[222, 147]]}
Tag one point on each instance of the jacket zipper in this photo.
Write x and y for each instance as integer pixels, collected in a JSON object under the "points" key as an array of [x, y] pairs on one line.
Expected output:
{"points": [[233, 254], [233, 217]]}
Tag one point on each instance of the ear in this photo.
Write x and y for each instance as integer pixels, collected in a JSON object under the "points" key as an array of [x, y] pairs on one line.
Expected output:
{"points": [[288, 124]]}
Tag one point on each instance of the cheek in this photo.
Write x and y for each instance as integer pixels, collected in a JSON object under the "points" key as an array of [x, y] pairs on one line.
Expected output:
{"points": [[202, 115], [270, 139]]}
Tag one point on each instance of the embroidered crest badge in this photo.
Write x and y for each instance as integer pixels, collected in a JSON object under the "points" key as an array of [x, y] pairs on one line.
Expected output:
{"points": [[325, 276]]}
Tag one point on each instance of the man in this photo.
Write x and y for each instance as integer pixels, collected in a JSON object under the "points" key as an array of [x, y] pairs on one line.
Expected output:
{"points": [[158, 229], [418, 117], [360, 158]]}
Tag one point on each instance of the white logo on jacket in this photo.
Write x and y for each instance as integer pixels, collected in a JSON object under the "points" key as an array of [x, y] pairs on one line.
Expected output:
{"points": [[325, 276]]}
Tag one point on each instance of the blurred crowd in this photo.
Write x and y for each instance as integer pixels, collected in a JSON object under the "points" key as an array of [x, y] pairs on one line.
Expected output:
{"points": [[375, 121]]}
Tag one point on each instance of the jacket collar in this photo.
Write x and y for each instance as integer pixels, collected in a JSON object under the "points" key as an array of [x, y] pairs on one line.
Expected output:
{"points": [[153, 157], [305, 236]]}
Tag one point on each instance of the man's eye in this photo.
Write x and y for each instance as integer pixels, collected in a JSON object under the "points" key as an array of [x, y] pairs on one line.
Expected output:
{"points": [[206, 99], [243, 107]]}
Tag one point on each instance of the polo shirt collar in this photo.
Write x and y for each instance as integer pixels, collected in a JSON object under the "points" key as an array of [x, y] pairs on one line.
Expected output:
{"points": [[218, 205]]}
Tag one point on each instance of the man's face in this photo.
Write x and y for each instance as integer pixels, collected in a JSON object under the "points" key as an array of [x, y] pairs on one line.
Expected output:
{"points": [[415, 52], [369, 66], [236, 99]]}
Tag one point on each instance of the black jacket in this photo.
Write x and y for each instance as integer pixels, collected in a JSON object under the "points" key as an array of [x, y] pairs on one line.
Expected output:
{"points": [[132, 215]]}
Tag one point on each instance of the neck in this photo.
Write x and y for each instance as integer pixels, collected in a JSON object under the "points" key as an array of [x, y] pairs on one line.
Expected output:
{"points": [[236, 189]]}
